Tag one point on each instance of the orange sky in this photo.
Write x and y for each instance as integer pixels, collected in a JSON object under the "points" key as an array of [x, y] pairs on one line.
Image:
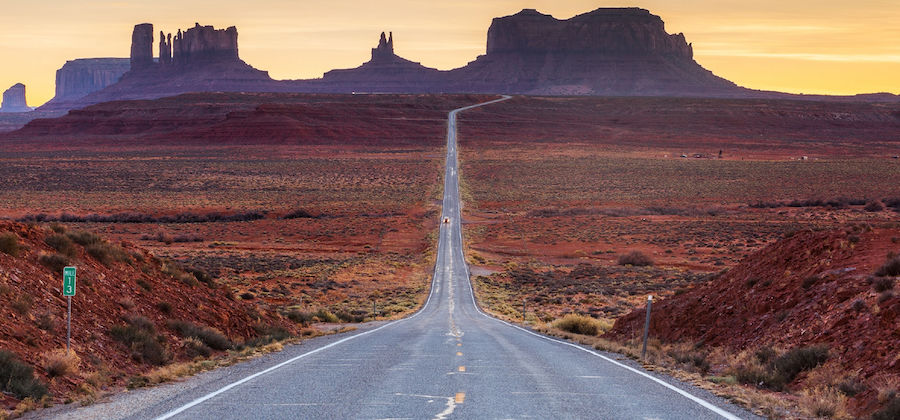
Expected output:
{"points": [[809, 46]]}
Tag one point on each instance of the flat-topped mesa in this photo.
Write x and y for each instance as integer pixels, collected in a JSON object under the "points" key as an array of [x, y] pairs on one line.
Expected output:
{"points": [[384, 52], [204, 44], [14, 99], [607, 31]]}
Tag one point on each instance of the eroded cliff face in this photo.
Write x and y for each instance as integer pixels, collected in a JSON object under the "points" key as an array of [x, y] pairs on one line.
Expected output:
{"points": [[78, 78], [14, 99], [609, 51], [613, 31]]}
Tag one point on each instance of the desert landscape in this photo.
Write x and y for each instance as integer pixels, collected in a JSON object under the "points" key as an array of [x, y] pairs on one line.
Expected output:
{"points": [[218, 215]]}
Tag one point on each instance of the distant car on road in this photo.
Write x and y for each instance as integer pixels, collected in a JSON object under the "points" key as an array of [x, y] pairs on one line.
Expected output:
{"points": [[446, 220]]}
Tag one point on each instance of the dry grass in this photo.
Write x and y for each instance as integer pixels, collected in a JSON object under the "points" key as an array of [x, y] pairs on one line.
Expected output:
{"points": [[584, 325], [61, 363], [824, 402]]}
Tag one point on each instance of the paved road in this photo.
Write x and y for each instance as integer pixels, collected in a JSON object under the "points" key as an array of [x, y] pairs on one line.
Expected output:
{"points": [[449, 360]]}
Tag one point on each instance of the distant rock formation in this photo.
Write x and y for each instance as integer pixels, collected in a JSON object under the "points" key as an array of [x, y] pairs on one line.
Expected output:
{"points": [[200, 59], [142, 46], [78, 78], [385, 72], [14, 99], [609, 51]]}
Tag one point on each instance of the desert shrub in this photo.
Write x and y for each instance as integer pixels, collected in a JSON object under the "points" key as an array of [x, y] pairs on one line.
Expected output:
{"points": [[55, 262], [143, 284], [886, 296], [890, 268], [209, 336], [823, 402], [580, 324], [345, 316], [164, 307], [851, 386], [139, 334], [874, 206], [858, 305], [325, 315], [247, 296], [9, 244], [62, 244], [299, 317], [299, 214], [776, 372], [60, 362], [883, 284], [810, 282], [107, 253], [790, 364], [57, 228], [266, 334], [176, 272], [635, 258], [22, 304], [194, 348], [692, 358], [18, 379], [84, 238], [890, 411], [201, 276], [45, 321]]}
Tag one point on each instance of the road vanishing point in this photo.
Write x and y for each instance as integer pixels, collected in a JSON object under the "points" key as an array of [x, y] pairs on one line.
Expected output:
{"points": [[449, 360]]}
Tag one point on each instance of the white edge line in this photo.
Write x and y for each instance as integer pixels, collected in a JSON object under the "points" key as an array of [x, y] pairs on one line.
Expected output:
{"points": [[207, 397], [708, 405]]}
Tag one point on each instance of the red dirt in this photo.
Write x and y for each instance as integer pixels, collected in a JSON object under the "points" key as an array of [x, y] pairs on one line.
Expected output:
{"points": [[763, 301], [106, 295]]}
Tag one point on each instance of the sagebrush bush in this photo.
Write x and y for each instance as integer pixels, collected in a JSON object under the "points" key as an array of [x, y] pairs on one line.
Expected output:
{"points": [[890, 268], [883, 284], [874, 206], [775, 372], [299, 317], [325, 315], [890, 411], [9, 244], [139, 334], [580, 324], [59, 363], [209, 336], [84, 238], [55, 262], [107, 253], [18, 379], [62, 244], [635, 258]]}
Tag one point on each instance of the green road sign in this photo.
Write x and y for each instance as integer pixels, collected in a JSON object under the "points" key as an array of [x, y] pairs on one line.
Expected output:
{"points": [[69, 281]]}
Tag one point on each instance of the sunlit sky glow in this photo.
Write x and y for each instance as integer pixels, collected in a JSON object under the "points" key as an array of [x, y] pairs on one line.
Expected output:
{"points": [[801, 46]]}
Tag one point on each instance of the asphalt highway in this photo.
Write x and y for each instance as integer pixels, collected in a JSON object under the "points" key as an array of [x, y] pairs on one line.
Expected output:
{"points": [[447, 361]]}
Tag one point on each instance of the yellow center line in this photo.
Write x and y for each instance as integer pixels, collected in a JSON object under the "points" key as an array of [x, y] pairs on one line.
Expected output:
{"points": [[459, 353], [458, 344], [462, 368], [460, 397]]}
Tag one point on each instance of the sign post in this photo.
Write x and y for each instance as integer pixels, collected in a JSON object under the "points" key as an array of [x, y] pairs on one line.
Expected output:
{"points": [[69, 291], [646, 327]]}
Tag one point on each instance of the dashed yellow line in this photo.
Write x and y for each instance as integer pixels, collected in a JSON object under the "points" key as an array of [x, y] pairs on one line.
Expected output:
{"points": [[460, 397], [462, 368], [459, 353], [458, 344]]}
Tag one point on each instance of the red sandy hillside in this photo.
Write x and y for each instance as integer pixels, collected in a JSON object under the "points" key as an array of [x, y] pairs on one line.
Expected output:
{"points": [[115, 283], [811, 288]]}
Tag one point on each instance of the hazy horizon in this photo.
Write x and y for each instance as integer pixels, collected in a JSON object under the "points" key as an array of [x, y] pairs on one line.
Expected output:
{"points": [[815, 47]]}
